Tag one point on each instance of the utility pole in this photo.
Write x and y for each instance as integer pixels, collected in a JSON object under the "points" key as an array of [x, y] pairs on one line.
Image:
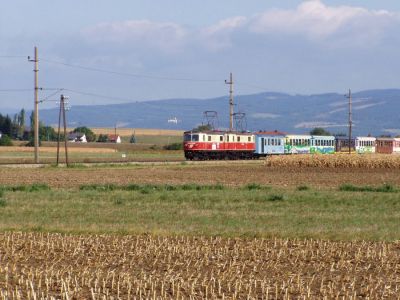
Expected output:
{"points": [[62, 114], [36, 104], [350, 120], [230, 82]]}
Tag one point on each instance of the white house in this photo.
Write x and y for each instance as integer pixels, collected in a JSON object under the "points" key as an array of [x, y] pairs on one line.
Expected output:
{"points": [[77, 137], [112, 138]]}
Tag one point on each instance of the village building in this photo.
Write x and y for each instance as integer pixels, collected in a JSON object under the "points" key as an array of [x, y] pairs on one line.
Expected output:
{"points": [[112, 138], [77, 137]]}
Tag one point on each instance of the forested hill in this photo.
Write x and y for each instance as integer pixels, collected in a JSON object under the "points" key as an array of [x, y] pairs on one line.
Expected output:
{"points": [[374, 112]]}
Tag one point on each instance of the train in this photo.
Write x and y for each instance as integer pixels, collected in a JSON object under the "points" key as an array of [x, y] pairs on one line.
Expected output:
{"points": [[232, 145]]}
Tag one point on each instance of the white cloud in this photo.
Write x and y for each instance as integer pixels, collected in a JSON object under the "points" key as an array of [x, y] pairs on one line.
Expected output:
{"points": [[312, 20], [218, 36], [392, 130], [315, 124], [164, 36], [265, 116], [318, 21]]}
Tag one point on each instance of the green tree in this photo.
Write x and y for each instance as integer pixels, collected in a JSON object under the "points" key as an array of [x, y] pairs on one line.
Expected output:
{"points": [[319, 131], [90, 135], [203, 128], [103, 138], [47, 133], [21, 123], [5, 140], [132, 140]]}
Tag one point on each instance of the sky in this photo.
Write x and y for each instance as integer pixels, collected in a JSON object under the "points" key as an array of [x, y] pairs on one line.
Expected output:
{"points": [[103, 52]]}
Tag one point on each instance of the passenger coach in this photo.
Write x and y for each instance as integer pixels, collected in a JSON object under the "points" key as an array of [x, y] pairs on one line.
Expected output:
{"points": [[269, 143], [388, 145], [309, 144]]}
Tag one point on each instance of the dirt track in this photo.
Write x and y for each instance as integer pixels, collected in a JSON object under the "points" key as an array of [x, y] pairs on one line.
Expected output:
{"points": [[236, 174]]}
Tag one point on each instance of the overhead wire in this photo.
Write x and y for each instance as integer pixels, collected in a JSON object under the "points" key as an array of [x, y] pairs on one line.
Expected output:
{"points": [[13, 56], [129, 74], [15, 90], [97, 95]]}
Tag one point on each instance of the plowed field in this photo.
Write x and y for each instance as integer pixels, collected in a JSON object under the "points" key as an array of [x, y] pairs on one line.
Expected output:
{"points": [[210, 173]]}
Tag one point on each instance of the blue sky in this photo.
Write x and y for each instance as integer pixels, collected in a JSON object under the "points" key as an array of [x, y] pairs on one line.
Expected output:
{"points": [[286, 46]]}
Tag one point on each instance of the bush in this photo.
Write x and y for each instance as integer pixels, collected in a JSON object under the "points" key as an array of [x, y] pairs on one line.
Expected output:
{"points": [[253, 186], [386, 188], [303, 188], [276, 198], [5, 140], [174, 146]]}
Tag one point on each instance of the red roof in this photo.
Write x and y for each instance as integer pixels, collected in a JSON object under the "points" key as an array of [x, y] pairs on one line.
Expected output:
{"points": [[113, 137]]}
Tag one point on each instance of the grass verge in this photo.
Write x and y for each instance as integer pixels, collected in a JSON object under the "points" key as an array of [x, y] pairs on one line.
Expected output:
{"points": [[193, 209]]}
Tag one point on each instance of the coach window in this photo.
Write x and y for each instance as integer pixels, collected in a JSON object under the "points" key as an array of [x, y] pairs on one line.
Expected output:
{"points": [[249, 139], [238, 138], [227, 138], [221, 138], [209, 138]]}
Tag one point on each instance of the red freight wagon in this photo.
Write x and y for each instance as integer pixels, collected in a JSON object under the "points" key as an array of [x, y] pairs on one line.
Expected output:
{"points": [[388, 145], [218, 145]]}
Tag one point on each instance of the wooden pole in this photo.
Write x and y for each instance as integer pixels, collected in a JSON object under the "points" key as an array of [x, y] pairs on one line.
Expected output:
{"points": [[36, 107], [65, 131]]}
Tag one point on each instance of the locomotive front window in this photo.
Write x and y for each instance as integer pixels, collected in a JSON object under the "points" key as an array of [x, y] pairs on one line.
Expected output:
{"points": [[187, 137], [195, 138]]}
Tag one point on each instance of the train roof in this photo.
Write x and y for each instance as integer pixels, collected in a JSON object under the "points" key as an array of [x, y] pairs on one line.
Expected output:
{"points": [[387, 139], [275, 132], [220, 132]]}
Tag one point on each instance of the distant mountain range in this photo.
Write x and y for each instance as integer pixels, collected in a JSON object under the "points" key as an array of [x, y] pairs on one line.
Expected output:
{"points": [[374, 112]]}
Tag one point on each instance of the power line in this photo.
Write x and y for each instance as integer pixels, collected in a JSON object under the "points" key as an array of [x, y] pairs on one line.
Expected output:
{"points": [[13, 56], [51, 95], [97, 95], [15, 90], [129, 74], [251, 85]]}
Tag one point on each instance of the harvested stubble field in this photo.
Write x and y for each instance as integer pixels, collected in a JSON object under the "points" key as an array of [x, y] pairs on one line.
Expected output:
{"points": [[366, 161], [54, 266]]}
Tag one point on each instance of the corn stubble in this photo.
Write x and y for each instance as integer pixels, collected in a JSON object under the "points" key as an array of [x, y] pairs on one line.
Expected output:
{"points": [[366, 161], [55, 266]]}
